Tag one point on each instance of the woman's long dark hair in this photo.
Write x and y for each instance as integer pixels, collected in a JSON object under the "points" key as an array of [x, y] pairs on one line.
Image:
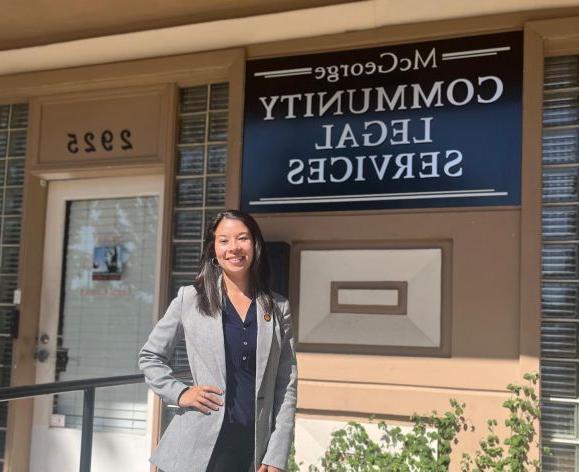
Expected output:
{"points": [[209, 301]]}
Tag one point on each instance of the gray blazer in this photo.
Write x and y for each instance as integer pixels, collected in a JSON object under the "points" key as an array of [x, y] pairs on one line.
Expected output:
{"points": [[188, 441]]}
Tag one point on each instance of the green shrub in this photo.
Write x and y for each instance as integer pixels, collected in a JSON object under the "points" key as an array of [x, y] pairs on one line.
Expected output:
{"points": [[512, 453], [292, 466], [427, 447]]}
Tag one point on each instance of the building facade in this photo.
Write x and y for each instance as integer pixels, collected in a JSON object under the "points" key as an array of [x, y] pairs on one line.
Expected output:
{"points": [[123, 135]]}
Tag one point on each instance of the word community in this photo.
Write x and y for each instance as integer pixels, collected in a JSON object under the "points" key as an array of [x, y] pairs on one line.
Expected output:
{"points": [[458, 92]]}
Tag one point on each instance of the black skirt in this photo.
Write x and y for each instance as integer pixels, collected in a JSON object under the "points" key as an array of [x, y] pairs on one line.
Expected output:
{"points": [[233, 451]]}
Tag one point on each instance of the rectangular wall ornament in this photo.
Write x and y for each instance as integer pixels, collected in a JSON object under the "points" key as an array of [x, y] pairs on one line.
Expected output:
{"points": [[342, 297], [368, 297], [432, 124], [93, 128]]}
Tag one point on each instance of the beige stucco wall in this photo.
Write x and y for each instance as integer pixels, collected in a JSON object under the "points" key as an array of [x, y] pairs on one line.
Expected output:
{"points": [[485, 320]]}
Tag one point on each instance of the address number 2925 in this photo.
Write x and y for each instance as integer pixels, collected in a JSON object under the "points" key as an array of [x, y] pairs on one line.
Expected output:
{"points": [[106, 141]]}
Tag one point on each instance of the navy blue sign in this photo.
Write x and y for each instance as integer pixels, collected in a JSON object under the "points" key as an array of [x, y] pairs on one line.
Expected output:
{"points": [[434, 124]]}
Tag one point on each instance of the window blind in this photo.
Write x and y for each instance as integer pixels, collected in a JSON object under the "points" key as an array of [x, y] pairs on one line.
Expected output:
{"points": [[104, 322]]}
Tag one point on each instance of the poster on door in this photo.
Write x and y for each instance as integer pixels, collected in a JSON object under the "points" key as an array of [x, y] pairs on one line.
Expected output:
{"points": [[107, 263]]}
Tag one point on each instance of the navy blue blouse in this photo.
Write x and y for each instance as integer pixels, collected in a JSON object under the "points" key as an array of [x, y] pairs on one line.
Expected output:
{"points": [[240, 338]]}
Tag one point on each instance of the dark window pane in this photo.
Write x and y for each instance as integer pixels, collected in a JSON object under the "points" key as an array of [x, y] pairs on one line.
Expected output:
{"points": [[10, 257], [559, 340], [11, 231], [5, 351], [194, 99], [190, 160], [186, 257], [19, 118], [215, 191], [2, 443], [2, 171], [560, 146], [559, 300], [188, 224], [219, 96], [561, 109], [192, 129], [559, 261], [13, 203], [216, 158], [189, 192], [559, 379], [218, 127], [4, 412], [7, 286], [558, 419], [4, 116], [561, 459], [560, 222], [15, 175], [3, 143], [5, 320], [561, 72], [17, 144], [178, 281]]}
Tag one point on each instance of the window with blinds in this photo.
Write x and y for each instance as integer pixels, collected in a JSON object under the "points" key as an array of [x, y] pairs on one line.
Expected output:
{"points": [[13, 138], [560, 268], [107, 302], [199, 185]]}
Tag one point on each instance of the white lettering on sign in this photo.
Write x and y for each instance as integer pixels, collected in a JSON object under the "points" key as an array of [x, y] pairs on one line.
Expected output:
{"points": [[340, 169], [410, 165], [397, 132], [458, 92], [378, 136], [388, 62]]}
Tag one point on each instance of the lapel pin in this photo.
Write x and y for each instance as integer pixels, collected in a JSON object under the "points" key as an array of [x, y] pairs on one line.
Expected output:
{"points": [[267, 317]]}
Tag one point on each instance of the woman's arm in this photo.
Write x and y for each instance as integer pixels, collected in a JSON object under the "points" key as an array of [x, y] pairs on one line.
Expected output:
{"points": [[155, 355], [285, 398]]}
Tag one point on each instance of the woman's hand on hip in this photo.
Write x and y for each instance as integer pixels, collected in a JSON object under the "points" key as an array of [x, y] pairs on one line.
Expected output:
{"points": [[268, 468], [202, 397]]}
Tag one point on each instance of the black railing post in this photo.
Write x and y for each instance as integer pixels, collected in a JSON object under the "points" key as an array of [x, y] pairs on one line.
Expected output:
{"points": [[87, 430]]}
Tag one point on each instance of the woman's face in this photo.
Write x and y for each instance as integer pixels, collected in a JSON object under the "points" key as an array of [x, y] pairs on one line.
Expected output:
{"points": [[233, 247]]}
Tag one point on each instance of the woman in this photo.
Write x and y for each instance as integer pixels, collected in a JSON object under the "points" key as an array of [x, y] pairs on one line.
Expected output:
{"points": [[240, 412]]}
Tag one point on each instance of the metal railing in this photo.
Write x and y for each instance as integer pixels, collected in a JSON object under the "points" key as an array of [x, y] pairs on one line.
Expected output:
{"points": [[88, 386]]}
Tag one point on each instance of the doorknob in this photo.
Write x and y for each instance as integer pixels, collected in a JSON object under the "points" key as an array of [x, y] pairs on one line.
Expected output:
{"points": [[41, 355]]}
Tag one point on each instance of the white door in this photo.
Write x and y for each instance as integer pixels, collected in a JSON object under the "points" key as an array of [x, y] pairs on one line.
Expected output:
{"points": [[99, 296]]}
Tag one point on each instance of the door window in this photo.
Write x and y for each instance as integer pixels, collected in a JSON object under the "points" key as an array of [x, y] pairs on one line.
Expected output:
{"points": [[107, 300]]}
